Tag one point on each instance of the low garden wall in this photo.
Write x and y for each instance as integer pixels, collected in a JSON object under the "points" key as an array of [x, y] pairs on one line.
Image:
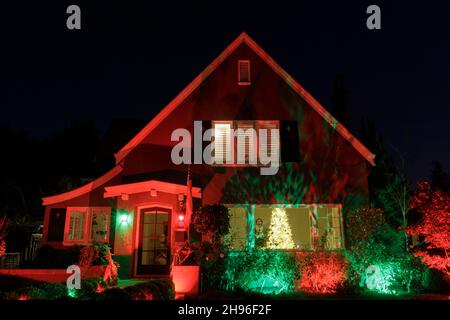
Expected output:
{"points": [[45, 275], [52, 275]]}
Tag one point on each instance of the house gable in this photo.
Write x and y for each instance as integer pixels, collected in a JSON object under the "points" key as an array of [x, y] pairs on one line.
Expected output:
{"points": [[197, 95]]}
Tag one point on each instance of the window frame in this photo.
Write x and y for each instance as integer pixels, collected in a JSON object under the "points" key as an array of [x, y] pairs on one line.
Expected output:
{"points": [[311, 208], [234, 125], [244, 83], [106, 210], [87, 228]]}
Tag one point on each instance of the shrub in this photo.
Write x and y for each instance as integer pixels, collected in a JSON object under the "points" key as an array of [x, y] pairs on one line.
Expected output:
{"points": [[89, 288], [11, 283], [379, 261], [212, 221], [55, 291], [16, 288], [99, 254], [260, 271], [28, 293], [144, 291], [396, 276], [434, 227], [50, 258], [154, 289], [322, 272], [114, 294], [3, 227], [166, 288]]}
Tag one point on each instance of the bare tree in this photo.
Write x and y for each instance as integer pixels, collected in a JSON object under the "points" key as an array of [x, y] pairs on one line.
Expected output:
{"points": [[396, 194]]}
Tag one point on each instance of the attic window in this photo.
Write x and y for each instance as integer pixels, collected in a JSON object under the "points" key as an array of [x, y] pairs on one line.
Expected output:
{"points": [[244, 72]]}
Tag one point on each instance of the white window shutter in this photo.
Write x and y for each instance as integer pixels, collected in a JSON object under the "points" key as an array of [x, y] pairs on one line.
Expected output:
{"points": [[222, 143]]}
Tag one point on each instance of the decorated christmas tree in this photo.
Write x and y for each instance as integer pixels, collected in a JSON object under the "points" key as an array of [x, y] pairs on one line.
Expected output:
{"points": [[280, 236]]}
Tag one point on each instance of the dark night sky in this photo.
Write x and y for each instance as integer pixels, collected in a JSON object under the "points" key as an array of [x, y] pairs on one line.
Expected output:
{"points": [[131, 60]]}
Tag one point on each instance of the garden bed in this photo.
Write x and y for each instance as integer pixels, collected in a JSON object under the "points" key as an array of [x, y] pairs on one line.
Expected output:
{"points": [[19, 288]]}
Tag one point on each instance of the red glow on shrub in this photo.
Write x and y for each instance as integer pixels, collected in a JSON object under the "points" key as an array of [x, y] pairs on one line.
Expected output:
{"points": [[144, 296], [434, 226], [322, 272], [100, 288], [23, 297]]}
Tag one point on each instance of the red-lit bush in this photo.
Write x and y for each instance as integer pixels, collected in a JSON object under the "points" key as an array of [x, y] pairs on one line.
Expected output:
{"points": [[322, 272], [100, 254], [3, 225], [433, 228]]}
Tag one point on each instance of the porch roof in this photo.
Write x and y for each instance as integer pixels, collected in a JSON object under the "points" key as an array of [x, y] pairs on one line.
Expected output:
{"points": [[147, 186]]}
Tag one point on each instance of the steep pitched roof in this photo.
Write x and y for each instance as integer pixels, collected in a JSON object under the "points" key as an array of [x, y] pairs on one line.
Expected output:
{"points": [[46, 201], [244, 38]]}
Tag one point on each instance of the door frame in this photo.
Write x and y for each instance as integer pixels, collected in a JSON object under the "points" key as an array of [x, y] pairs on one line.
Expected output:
{"points": [[136, 239]]}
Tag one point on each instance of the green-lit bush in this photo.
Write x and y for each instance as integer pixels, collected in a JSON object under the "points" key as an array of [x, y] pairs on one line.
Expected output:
{"points": [[115, 294], [28, 293], [166, 288], [379, 261], [154, 289], [260, 271]]}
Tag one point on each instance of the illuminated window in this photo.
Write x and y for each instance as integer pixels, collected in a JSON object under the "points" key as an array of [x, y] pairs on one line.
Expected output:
{"points": [[275, 227], [288, 227], [100, 224], [222, 142], [87, 224], [238, 227], [77, 224], [246, 142], [330, 227], [270, 147], [244, 72]]}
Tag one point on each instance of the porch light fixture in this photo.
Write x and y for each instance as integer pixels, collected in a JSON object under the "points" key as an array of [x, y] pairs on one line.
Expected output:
{"points": [[181, 223], [153, 193], [123, 218]]}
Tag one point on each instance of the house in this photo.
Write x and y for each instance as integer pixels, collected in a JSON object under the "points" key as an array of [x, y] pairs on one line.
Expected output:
{"points": [[137, 206]]}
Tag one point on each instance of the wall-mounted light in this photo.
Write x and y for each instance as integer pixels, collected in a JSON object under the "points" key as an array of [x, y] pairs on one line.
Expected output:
{"points": [[153, 193], [123, 218], [181, 220]]}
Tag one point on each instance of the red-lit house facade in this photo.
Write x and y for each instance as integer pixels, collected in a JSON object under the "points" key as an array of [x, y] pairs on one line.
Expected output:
{"points": [[136, 206]]}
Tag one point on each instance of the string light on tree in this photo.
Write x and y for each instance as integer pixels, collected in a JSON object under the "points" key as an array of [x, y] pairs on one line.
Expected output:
{"points": [[280, 235]]}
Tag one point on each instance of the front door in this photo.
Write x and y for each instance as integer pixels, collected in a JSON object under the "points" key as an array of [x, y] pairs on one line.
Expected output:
{"points": [[154, 241]]}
